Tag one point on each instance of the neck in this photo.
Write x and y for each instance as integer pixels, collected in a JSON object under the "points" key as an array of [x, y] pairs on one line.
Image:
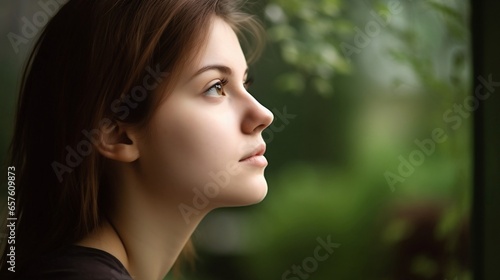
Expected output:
{"points": [[145, 233]]}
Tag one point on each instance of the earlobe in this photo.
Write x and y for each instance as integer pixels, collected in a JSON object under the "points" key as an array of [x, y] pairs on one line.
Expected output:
{"points": [[118, 144]]}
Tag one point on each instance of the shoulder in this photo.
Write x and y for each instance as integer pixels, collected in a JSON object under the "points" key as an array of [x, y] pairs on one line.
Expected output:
{"points": [[75, 263]]}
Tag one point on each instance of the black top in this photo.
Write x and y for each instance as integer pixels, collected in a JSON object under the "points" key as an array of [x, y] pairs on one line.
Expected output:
{"points": [[74, 263]]}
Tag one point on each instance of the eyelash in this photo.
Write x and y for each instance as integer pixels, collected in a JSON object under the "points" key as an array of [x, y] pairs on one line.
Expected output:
{"points": [[247, 83], [221, 84]]}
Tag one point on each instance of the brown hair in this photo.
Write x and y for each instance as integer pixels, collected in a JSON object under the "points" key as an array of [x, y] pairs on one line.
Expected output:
{"points": [[90, 60]]}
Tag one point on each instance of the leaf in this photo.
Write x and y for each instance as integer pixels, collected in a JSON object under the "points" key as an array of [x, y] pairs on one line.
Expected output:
{"points": [[291, 82]]}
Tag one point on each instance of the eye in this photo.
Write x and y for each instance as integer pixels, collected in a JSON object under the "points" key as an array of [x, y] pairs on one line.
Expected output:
{"points": [[217, 89], [248, 82]]}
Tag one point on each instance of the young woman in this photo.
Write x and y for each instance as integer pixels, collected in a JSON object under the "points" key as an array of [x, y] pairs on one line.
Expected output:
{"points": [[134, 121]]}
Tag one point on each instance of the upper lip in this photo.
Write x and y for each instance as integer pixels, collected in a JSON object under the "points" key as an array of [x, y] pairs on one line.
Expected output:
{"points": [[258, 151]]}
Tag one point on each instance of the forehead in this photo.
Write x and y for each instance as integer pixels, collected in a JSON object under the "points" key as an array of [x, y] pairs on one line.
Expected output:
{"points": [[222, 47]]}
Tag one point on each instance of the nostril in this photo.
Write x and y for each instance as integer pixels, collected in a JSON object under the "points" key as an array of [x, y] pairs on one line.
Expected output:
{"points": [[260, 127]]}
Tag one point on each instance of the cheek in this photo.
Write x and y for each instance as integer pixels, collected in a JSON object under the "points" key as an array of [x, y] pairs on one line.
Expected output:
{"points": [[186, 144], [193, 151]]}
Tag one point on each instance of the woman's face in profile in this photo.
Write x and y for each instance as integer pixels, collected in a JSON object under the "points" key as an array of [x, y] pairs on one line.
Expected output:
{"points": [[205, 138]]}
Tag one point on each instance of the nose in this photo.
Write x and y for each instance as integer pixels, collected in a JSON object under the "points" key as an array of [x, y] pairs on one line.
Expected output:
{"points": [[256, 117]]}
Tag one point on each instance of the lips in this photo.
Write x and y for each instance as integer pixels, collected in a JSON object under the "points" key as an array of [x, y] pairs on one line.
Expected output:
{"points": [[257, 152]]}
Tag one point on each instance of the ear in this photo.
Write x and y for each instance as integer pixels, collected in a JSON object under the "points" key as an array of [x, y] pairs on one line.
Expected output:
{"points": [[119, 142]]}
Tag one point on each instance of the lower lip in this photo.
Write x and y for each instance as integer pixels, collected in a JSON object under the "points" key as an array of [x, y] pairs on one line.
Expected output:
{"points": [[256, 160]]}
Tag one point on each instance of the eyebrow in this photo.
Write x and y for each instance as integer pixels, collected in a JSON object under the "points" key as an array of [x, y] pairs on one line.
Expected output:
{"points": [[221, 68]]}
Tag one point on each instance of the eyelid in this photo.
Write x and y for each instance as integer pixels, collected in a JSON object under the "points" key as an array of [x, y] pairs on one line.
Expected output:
{"points": [[248, 81], [222, 82]]}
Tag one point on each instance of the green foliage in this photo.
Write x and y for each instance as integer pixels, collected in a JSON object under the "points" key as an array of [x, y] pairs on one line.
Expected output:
{"points": [[416, 69], [307, 34], [320, 185], [324, 202]]}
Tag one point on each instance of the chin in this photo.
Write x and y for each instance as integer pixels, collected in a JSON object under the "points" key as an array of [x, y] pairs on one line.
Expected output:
{"points": [[258, 195], [245, 194]]}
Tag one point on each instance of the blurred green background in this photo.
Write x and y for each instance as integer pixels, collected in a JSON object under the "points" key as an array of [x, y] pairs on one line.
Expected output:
{"points": [[360, 90]]}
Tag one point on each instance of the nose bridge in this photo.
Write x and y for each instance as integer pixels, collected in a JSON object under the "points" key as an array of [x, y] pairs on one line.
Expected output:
{"points": [[257, 104]]}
